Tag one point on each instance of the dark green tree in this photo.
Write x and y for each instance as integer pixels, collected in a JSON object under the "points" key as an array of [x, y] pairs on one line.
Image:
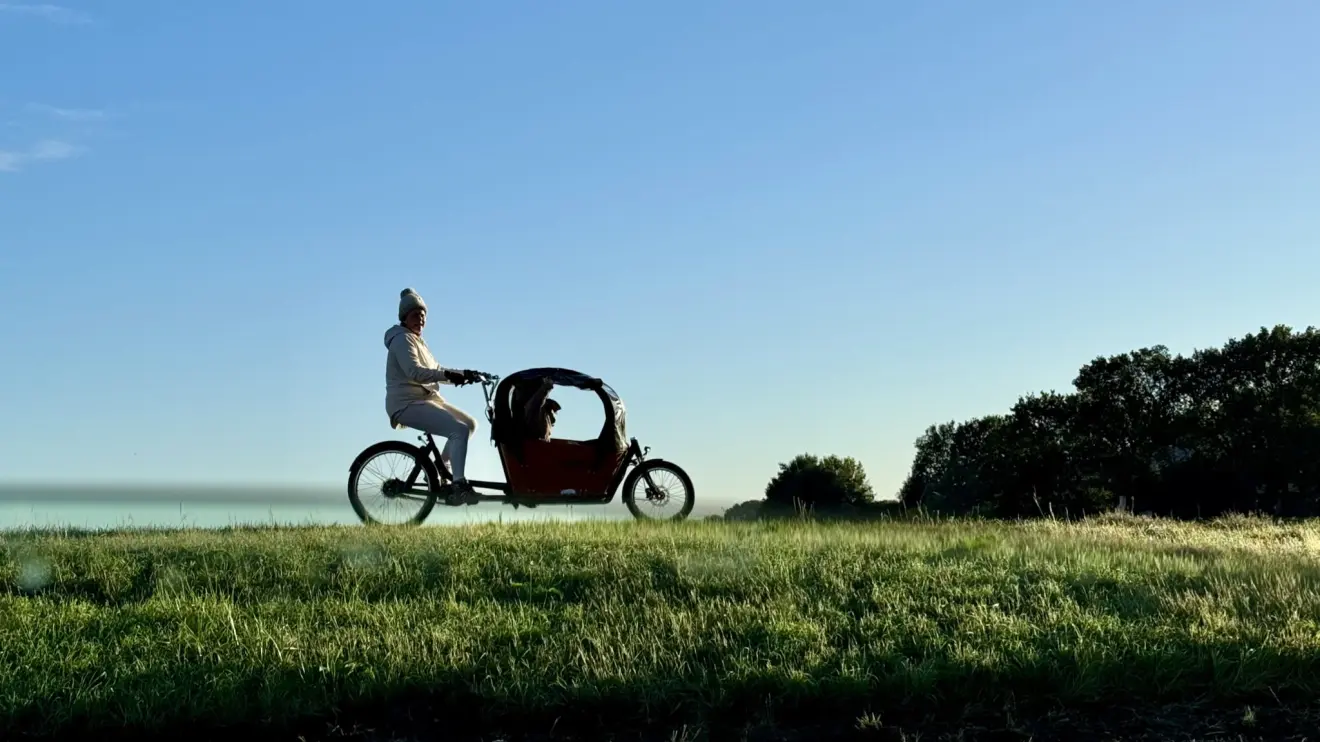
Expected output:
{"points": [[1129, 405], [824, 484]]}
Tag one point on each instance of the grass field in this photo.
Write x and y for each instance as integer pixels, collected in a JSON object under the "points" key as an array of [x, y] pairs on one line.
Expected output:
{"points": [[781, 631]]}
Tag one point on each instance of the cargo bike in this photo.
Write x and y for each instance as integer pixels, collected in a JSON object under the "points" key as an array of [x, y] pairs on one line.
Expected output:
{"points": [[413, 478]]}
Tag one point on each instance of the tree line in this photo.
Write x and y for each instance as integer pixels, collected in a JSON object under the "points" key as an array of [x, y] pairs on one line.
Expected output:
{"points": [[1228, 429]]}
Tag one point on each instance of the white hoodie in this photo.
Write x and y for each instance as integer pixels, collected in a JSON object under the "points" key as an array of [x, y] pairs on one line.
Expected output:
{"points": [[411, 373]]}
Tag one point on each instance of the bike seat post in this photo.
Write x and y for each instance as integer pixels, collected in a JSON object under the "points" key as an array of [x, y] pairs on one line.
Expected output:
{"points": [[431, 449]]}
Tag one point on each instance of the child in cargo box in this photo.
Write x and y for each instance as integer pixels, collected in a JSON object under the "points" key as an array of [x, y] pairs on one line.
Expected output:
{"points": [[537, 410]]}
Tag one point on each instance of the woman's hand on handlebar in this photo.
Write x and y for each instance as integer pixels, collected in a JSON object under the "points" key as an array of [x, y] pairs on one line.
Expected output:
{"points": [[466, 376]]}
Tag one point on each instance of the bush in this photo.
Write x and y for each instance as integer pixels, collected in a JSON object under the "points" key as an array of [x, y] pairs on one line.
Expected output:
{"points": [[748, 510], [821, 484]]}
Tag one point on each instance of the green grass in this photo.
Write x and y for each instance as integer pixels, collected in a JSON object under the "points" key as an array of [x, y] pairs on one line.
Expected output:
{"points": [[703, 623]]}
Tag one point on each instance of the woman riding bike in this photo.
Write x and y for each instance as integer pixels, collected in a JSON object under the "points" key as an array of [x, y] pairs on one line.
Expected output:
{"points": [[412, 392]]}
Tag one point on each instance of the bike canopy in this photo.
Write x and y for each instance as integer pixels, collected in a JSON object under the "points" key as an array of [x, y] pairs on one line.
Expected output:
{"points": [[613, 433]]}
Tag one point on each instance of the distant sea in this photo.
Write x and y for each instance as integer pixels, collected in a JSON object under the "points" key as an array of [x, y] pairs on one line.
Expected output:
{"points": [[101, 507]]}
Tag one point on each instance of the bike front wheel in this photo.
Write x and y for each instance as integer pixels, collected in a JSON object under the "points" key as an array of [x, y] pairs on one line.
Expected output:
{"points": [[658, 490]]}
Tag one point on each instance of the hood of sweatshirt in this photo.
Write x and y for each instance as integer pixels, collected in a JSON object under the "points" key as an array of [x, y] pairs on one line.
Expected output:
{"points": [[394, 332]]}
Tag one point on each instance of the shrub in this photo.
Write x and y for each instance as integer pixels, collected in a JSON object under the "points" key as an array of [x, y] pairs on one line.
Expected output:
{"points": [[748, 510], [821, 484]]}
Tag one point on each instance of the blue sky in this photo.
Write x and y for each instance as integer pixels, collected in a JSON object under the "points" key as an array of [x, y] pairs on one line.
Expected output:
{"points": [[773, 227]]}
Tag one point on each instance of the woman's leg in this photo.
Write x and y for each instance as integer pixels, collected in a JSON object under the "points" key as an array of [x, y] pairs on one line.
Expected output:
{"points": [[448, 422], [454, 452]]}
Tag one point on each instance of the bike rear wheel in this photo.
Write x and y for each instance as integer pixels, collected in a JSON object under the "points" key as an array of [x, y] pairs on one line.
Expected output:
{"points": [[396, 476]]}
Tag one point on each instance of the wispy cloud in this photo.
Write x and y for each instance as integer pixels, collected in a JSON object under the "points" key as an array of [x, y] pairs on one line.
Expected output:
{"points": [[52, 149], [68, 114], [52, 13], [50, 133], [12, 161]]}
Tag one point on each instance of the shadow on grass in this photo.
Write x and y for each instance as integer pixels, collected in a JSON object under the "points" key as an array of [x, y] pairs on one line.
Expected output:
{"points": [[464, 717]]}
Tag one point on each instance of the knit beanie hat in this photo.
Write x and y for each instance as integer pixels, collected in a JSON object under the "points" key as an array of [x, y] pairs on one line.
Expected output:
{"points": [[408, 301]]}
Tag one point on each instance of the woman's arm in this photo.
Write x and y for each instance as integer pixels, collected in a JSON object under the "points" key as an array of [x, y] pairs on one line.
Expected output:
{"points": [[410, 360]]}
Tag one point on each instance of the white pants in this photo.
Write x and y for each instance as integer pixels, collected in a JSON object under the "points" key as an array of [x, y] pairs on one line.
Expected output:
{"points": [[446, 421]]}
